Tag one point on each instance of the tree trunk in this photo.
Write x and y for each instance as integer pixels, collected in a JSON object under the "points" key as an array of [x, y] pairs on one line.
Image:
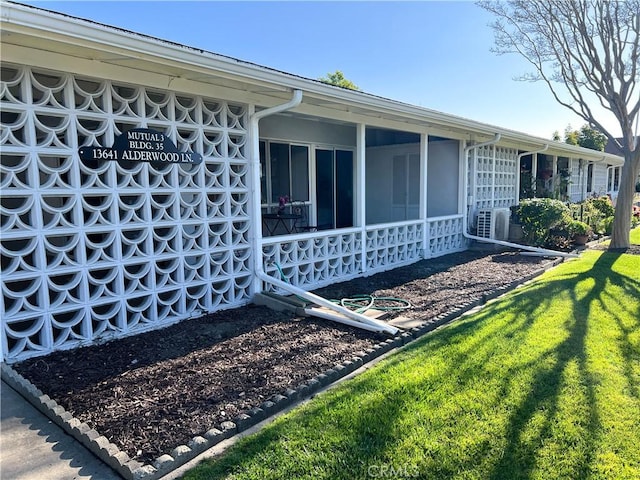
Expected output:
{"points": [[622, 220]]}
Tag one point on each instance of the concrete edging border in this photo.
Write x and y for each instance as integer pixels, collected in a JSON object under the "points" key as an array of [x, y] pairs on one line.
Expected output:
{"points": [[133, 470]]}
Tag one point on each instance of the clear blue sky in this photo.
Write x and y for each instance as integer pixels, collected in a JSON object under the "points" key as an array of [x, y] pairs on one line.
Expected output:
{"points": [[432, 54]]}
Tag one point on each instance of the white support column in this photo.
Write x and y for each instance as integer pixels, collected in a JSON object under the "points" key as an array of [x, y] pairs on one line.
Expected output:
{"points": [[465, 198], [360, 193], [518, 175], [424, 156], [360, 176], [554, 173], [583, 179], [609, 179], [253, 142], [424, 160], [534, 173], [470, 201]]}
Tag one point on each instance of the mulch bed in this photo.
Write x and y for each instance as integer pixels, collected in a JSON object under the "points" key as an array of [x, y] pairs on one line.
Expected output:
{"points": [[150, 393], [632, 250]]}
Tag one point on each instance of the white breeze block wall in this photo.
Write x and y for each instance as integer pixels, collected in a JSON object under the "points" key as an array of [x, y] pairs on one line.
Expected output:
{"points": [[495, 177], [103, 250]]}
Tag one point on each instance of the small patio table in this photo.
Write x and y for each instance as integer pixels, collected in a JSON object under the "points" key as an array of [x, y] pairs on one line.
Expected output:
{"points": [[273, 220]]}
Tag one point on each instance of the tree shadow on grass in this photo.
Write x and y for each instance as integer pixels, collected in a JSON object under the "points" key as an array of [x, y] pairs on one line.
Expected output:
{"points": [[355, 442], [363, 434], [520, 456]]}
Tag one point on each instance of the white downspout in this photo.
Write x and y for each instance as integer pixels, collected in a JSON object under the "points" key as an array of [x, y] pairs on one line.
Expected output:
{"points": [[256, 213], [358, 318], [254, 162], [551, 253]]}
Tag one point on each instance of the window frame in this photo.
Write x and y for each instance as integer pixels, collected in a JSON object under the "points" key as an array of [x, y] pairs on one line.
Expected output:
{"points": [[268, 197]]}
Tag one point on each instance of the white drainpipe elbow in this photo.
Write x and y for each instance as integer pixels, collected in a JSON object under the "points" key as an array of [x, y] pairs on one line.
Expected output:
{"points": [[493, 141], [294, 102]]}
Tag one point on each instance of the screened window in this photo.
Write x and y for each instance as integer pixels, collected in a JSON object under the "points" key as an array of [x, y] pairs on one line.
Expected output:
{"points": [[285, 172]]}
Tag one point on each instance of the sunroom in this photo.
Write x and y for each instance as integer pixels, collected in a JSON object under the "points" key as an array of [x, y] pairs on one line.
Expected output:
{"points": [[340, 199]]}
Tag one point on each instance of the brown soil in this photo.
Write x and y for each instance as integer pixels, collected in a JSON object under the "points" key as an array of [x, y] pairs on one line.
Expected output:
{"points": [[632, 250], [155, 391]]}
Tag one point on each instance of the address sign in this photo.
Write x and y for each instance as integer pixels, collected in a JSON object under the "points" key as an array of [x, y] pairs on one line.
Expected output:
{"points": [[141, 145]]}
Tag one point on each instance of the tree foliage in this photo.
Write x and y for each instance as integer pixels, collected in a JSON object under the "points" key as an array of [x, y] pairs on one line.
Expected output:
{"points": [[571, 136], [588, 54], [586, 137], [337, 78]]}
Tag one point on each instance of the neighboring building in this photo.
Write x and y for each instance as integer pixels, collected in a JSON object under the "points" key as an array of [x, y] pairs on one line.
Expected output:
{"points": [[93, 248]]}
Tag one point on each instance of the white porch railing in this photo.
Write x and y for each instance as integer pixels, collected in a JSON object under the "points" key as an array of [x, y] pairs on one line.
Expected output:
{"points": [[392, 245], [317, 259], [314, 259], [445, 235]]}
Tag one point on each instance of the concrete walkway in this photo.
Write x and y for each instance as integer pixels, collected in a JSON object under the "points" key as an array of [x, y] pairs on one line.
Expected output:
{"points": [[32, 447]]}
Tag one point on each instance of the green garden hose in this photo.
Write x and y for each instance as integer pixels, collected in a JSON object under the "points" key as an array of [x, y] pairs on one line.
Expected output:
{"points": [[362, 303]]}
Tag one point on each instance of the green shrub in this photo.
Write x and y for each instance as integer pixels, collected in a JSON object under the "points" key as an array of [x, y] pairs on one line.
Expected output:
{"points": [[603, 205], [576, 227], [593, 212], [607, 225], [538, 216], [559, 237]]}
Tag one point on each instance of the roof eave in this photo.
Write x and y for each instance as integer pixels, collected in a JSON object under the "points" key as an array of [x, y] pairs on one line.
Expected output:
{"points": [[52, 26]]}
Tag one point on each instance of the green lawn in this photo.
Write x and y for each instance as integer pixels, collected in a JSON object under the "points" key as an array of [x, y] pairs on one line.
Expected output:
{"points": [[634, 237], [544, 383]]}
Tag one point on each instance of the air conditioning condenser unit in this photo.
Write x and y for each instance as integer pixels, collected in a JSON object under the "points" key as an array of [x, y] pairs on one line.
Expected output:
{"points": [[493, 223]]}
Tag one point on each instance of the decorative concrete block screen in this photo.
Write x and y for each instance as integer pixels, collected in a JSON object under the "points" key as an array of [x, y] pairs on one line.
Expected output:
{"points": [[390, 246], [445, 235], [495, 177], [319, 259], [108, 249], [316, 259]]}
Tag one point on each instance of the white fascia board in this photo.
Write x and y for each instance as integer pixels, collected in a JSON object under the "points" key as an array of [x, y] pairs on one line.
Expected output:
{"points": [[54, 27], [59, 62], [51, 26]]}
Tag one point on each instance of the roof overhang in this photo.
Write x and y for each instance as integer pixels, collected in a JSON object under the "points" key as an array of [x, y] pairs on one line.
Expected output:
{"points": [[54, 34]]}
